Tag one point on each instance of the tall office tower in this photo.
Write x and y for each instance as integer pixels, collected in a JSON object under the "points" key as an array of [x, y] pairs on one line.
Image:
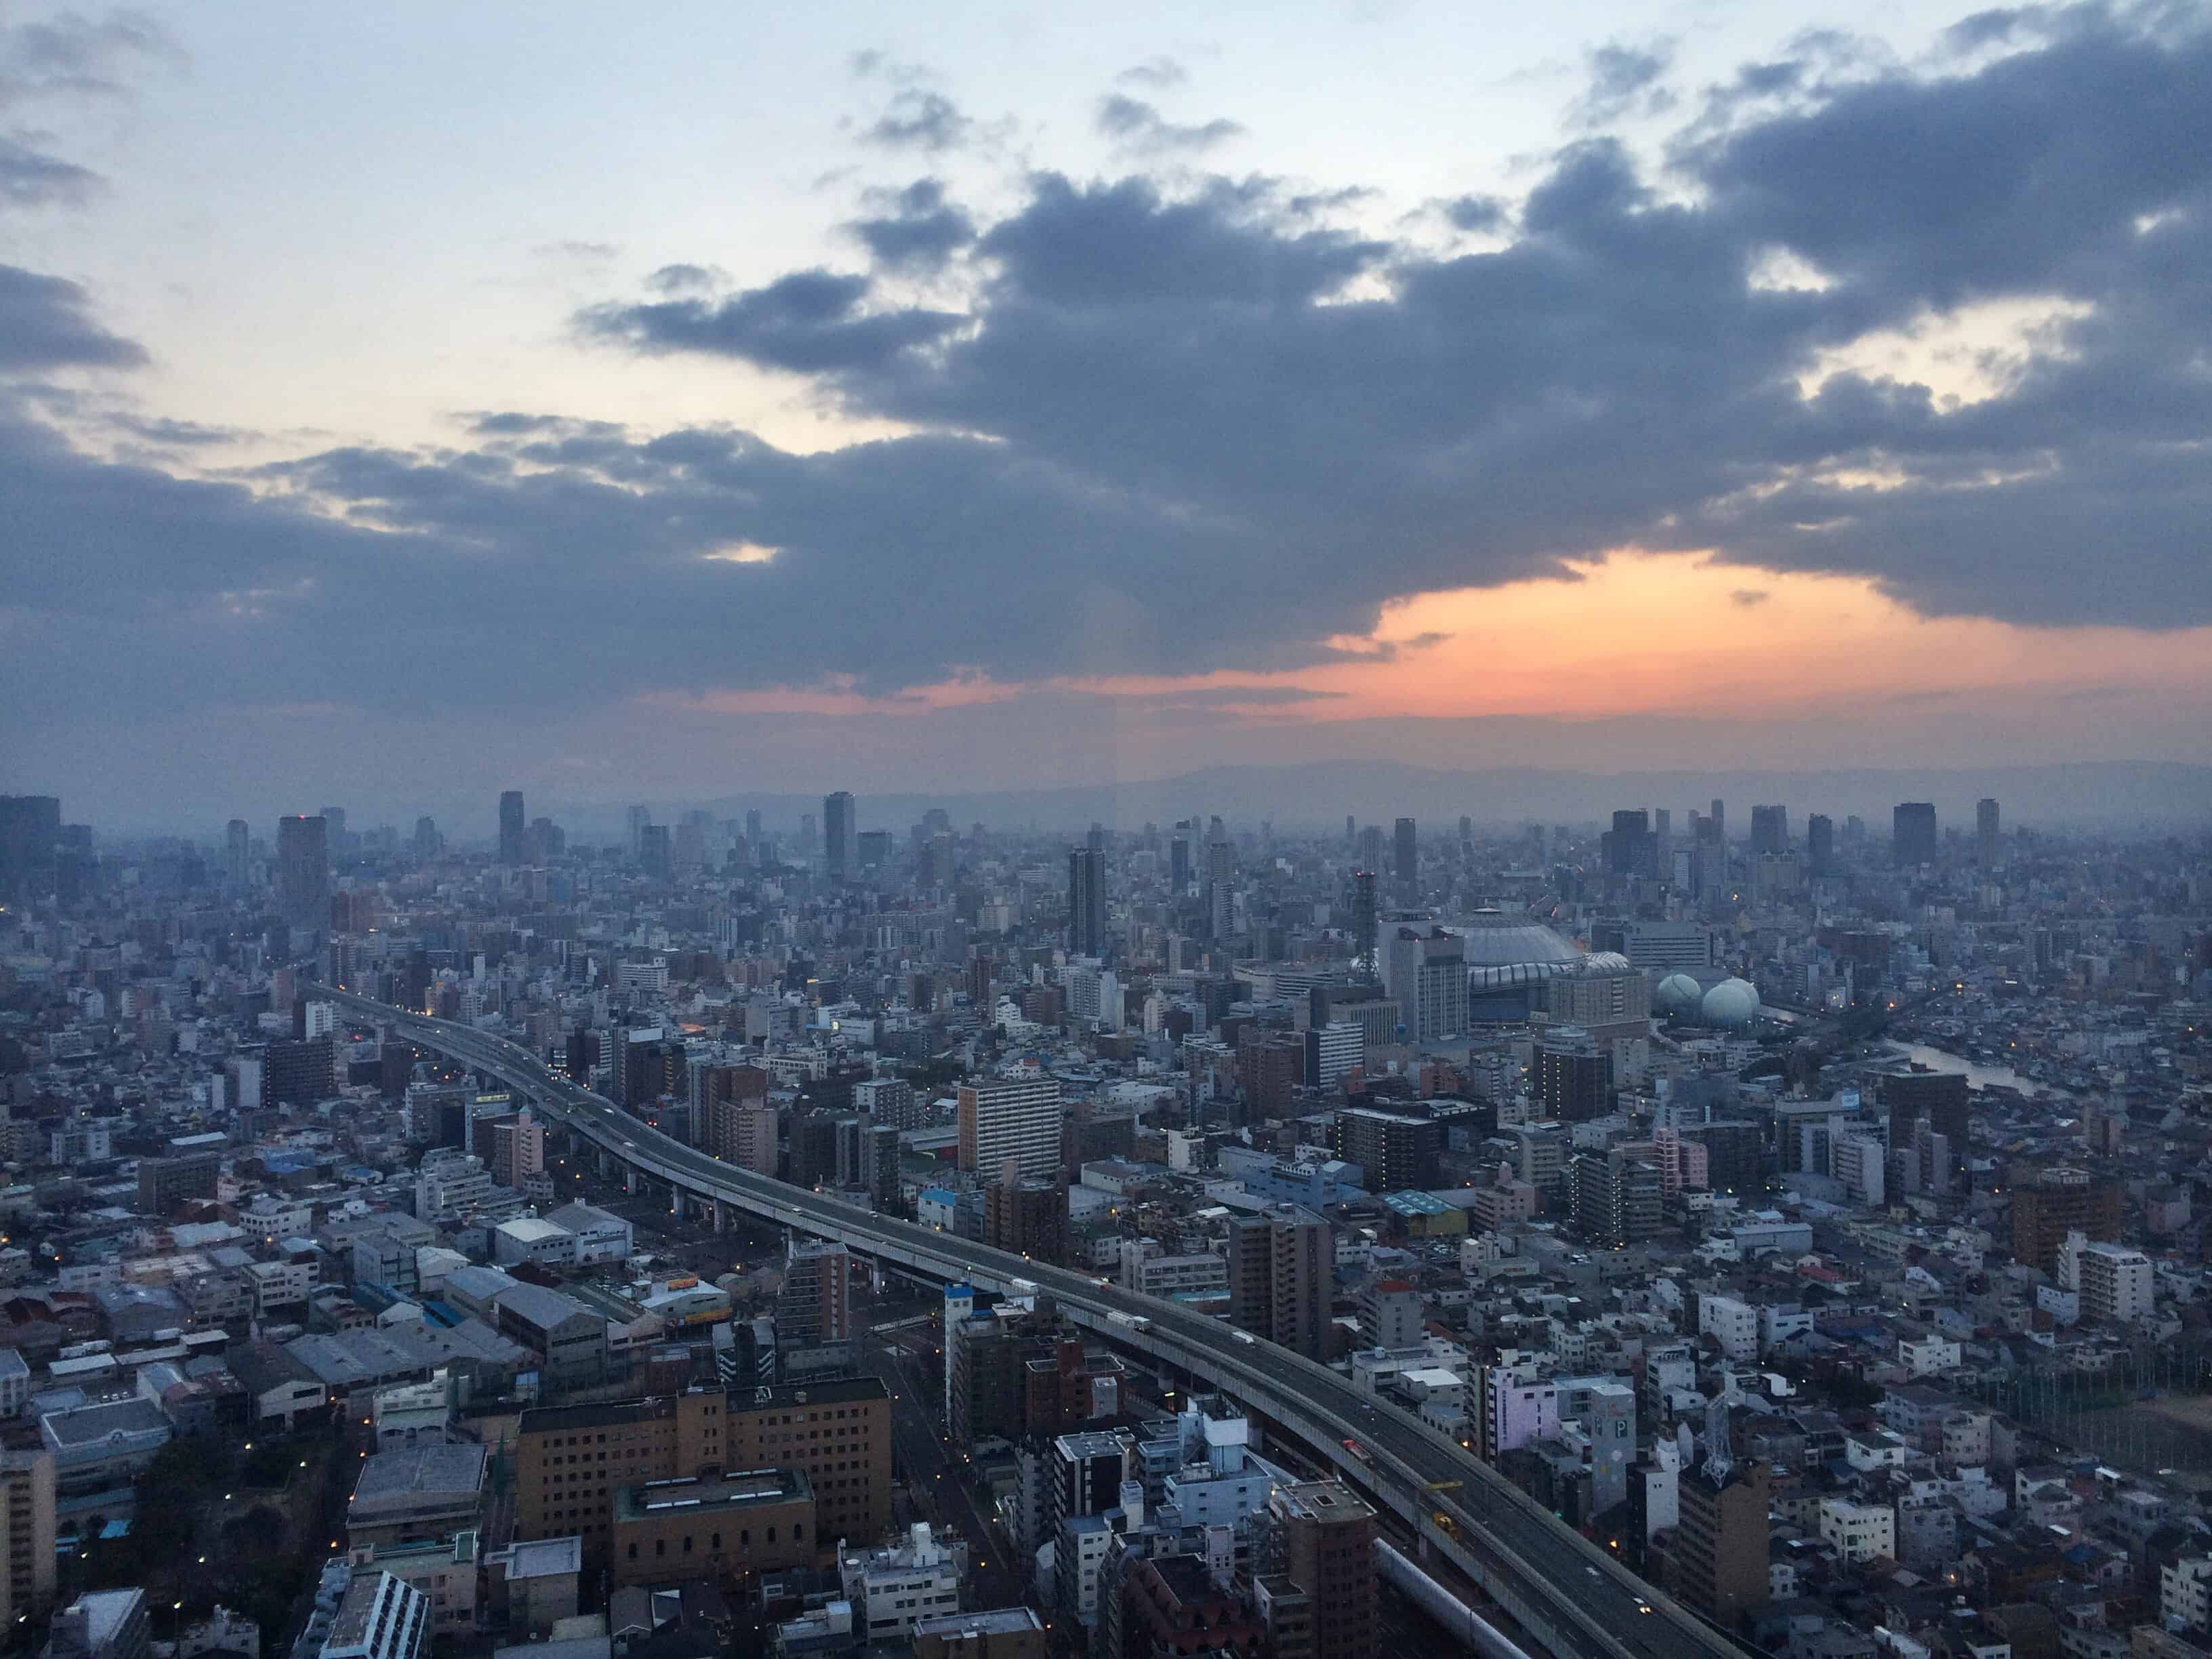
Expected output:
{"points": [[809, 836], [1663, 835], [814, 1305], [1281, 1268], [427, 839], [1086, 902], [1220, 891], [687, 853], [1854, 831], [941, 859], [1820, 844], [511, 826], [1369, 855], [1406, 858], [1316, 1592], [656, 851], [1719, 816], [303, 872], [1351, 831], [1912, 832], [1629, 846], [30, 845], [1986, 831], [237, 853], [1425, 970], [1364, 925], [1003, 1118], [1179, 863], [27, 1501], [839, 837], [753, 831], [545, 841], [638, 818], [1770, 829]]}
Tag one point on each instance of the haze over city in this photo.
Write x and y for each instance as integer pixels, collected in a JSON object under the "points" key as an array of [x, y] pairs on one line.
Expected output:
{"points": [[991, 401]]}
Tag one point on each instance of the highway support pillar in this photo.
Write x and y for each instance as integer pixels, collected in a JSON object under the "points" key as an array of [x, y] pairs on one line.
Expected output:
{"points": [[721, 1217], [630, 1181]]}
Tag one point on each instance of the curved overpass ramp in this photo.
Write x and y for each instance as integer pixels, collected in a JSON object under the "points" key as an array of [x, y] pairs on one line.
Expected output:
{"points": [[1569, 1597]]}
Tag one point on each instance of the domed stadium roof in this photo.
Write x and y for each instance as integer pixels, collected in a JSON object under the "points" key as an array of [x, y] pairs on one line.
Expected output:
{"points": [[1501, 938], [1732, 1002]]}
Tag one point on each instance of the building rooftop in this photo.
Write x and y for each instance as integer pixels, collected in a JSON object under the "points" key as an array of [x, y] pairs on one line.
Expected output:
{"points": [[745, 1489], [420, 1470]]}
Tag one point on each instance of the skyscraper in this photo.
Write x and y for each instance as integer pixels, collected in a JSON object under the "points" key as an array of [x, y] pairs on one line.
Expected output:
{"points": [[1220, 891], [1364, 924], [303, 868], [30, 845], [1820, 844], [1912, 832], [237, 853], [838, 833], [639, 816], [1086, 902], [1986, 831], [427, 839], [1770, 829], [1406, 859], [511, 826]]}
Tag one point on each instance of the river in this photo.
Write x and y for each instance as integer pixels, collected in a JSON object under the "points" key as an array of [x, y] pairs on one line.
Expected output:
{"points": [[1978, 1075]]}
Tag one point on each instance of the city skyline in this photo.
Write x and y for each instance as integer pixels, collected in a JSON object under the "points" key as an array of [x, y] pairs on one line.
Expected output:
{"points": [[1004, 407]]}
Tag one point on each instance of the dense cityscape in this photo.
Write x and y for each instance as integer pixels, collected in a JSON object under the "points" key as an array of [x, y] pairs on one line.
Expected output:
{"points": [[1800, 1214]]}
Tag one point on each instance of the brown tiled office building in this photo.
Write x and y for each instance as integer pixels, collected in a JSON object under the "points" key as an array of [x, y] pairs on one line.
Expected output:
{"points": [[572, 1462], [716, 1527], [1717, 1564]]}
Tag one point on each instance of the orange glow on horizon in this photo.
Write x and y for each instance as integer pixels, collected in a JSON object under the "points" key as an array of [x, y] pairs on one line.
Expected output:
{"points": [[1634, 632]]}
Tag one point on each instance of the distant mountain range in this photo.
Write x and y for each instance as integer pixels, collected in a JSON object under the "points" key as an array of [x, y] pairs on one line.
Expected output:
{"points": [[2133, 795]]}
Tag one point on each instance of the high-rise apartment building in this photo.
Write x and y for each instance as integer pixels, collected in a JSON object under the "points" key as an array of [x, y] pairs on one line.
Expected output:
{"points": [[1988, 831], [1316, 1592], [1630, 848], [1029, 1218], [1717, 1565], [1425, 970], [839, 836], [1281, 1261], [1018, 1118], [814, 1305], [1086, 902], [513, 826], [1617, 1196], [1406, 858], [1912, 832], [2052, 1203], [237, 853], [26, 1506], [30, 846], [303, 872], [1396, 1152]]}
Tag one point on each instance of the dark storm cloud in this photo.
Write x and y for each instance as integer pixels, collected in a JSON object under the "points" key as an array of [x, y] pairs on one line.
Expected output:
{"points": [[917, 228], [1477, 214], [45, 323], [1136, 125], [1180, 431]]}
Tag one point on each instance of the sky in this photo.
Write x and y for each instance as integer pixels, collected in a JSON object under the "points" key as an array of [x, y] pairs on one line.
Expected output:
{"points": [[400, 403]]}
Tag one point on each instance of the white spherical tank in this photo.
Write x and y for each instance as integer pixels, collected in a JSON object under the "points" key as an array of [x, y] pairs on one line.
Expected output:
{"points": [[1731, 1003], [1678, 995]]}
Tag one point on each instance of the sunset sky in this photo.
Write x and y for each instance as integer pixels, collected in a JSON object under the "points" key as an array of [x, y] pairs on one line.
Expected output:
{"points": [[398, 404]]}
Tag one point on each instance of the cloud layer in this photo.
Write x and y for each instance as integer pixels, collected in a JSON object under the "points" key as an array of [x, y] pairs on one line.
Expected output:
{"points": [[1154, 427]]}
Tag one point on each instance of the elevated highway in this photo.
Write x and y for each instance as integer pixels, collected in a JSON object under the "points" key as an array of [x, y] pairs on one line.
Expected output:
{"points": [[1569, 1596]]}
